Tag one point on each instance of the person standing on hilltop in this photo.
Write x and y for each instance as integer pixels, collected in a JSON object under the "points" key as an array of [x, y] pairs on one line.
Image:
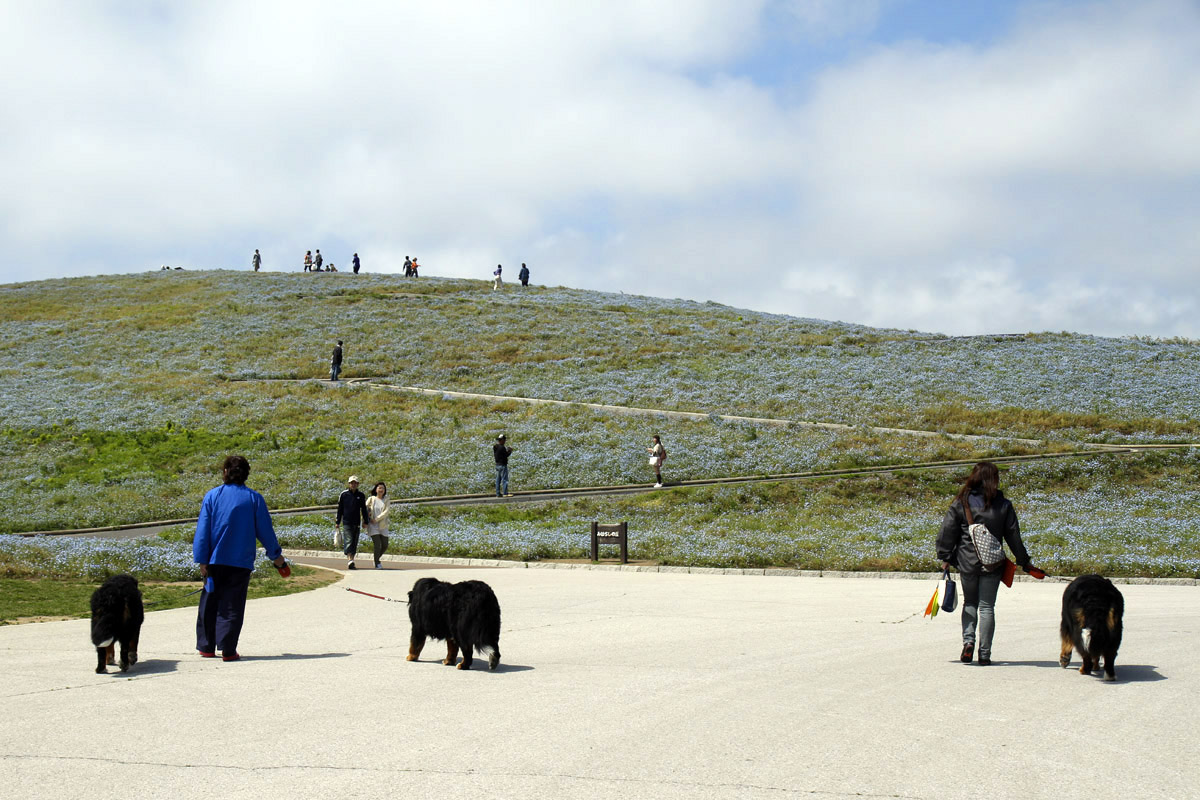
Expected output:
{"points": [[308, 260], [501, 451], [498, 281], [317, 261], [335, 363], [256, 260], [356, 263], [407, 267], [523, 275], [415, 267]]}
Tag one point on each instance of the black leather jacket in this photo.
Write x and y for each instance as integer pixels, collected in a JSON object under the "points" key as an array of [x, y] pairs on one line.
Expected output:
{"points": [[954, 542]]}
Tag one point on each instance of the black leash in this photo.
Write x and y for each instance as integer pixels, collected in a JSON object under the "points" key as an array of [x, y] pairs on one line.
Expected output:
{"points": [[189, 594]]}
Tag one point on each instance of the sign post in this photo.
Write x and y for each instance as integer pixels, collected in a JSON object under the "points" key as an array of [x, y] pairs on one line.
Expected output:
{"points": [[610, 534]]}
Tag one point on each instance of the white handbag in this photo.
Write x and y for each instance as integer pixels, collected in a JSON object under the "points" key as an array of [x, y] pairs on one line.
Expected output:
{"points": [[987, 546]]}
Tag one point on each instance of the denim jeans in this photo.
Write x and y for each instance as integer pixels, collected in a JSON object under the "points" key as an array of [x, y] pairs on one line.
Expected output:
{"points": [[351, 533], [979, 606], [334, 371], [501, 480]]}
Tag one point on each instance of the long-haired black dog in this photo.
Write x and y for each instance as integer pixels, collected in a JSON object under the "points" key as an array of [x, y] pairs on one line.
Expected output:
{"points": [[117, 616], [466, 615], [1091, 623]]}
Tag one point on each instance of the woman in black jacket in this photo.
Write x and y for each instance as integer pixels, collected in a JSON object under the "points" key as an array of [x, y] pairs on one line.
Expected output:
{"points": [[991, 508]]}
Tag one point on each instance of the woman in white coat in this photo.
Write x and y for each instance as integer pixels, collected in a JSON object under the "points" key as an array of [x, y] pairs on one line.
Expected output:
{"points": [[378, 510]]}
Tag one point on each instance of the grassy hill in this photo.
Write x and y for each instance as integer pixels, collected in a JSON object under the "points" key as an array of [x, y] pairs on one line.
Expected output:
{"points": [[122, 393]]}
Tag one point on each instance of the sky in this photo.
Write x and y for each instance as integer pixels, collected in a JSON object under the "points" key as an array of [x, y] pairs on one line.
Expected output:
{"points": [[952, 167]]}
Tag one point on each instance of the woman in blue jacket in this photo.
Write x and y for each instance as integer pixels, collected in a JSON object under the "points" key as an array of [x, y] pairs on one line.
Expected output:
{"points": [[233, 519]]}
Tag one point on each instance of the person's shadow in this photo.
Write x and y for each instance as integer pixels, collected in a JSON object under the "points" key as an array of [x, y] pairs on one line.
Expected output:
{"points": [[293, 657]]}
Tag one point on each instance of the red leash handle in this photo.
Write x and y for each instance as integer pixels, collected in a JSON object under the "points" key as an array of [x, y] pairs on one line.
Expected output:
{"points": [[376, 596]]}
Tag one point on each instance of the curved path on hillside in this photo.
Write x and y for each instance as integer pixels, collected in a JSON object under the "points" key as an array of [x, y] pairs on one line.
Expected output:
{"points": [[1091, 449], [151, 528], [662, 412], [370, 382]]}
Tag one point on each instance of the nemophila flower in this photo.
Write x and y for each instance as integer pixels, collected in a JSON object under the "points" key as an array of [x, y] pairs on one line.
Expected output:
{"points": [[121, 373], [97, 559]]}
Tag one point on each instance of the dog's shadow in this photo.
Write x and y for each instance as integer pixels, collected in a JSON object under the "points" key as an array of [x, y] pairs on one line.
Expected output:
{"points": [[1126, 673], [1138, 673], [151, 666], [501, 667]]}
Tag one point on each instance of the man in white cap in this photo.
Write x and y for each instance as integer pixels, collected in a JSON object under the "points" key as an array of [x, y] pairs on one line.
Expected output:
{"points": [[351, 512]]}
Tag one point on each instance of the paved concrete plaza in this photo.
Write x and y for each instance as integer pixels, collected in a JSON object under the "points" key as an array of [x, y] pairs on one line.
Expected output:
{"points": [[613, 685]]}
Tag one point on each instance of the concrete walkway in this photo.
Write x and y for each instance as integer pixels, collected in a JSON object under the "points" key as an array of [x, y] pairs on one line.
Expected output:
{"points": [[613, 685]]}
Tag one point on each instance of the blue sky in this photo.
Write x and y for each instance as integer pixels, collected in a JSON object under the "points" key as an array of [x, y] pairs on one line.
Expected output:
{"points": [[884, 162]]}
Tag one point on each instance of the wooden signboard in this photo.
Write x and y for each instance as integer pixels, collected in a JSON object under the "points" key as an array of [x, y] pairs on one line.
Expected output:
{"points": [[610, 534]]}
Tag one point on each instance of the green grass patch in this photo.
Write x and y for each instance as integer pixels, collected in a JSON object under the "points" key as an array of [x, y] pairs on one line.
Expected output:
{"points": [[43, 599]]}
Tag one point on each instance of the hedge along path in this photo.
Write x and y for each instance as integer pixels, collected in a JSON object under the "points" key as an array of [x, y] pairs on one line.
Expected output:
{"points": [[133, 530]]}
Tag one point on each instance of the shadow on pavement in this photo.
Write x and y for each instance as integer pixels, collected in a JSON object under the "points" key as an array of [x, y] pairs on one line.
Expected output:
{"points": [[294, 656], [1126, 673], [151, 666], [502, 667], [1138, 673]]}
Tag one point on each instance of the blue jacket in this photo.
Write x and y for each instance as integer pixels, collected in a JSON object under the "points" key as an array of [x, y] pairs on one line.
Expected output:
{"points": [[232, 518]]}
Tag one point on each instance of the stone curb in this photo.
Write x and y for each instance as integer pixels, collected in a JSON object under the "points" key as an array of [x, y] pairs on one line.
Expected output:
{"points": [[770, 572]]}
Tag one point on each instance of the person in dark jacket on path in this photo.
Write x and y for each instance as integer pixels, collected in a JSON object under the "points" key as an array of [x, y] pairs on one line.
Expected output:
{"points": [[232, 520], [501, 451], [351, 516], [523, 275], [356, 263], [991, 508], [335, 362]]}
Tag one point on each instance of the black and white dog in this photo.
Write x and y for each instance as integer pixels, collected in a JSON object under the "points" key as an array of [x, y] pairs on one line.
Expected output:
{"points": [[466, 615], [117, 616], [1091, 623]]}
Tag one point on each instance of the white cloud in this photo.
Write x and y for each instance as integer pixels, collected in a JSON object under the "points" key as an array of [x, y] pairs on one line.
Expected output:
{"points": [[615, 146]]}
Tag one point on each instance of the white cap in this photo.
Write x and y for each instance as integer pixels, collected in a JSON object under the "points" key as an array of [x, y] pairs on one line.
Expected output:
{"points": [[352, 479]]}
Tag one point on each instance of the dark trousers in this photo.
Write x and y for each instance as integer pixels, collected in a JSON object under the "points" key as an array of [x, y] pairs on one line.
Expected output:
{"points": [[350, 533], [219, 618], [379, 544]]}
